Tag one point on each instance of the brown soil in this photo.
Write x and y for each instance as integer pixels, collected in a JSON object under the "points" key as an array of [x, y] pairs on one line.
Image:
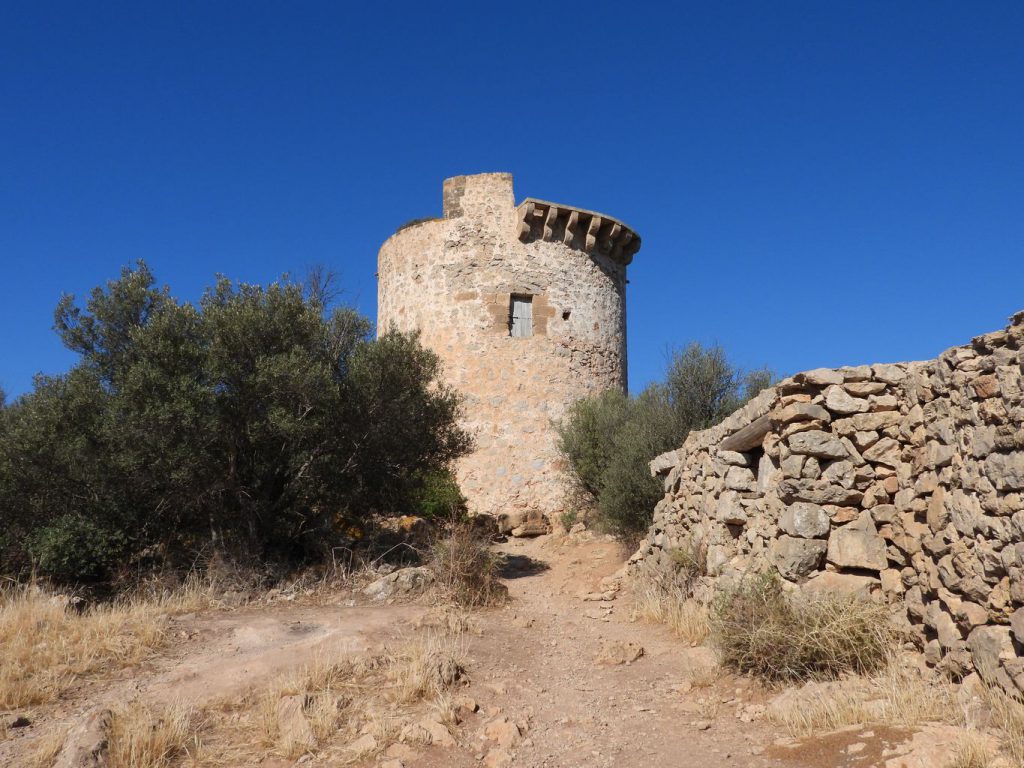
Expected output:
{"points": [[546, 661]]}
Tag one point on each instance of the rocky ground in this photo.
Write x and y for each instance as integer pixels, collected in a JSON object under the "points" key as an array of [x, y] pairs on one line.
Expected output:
{"points": [[561, 676]]}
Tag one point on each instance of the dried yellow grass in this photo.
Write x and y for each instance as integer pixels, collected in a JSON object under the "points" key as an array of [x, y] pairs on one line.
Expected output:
{"points": [[1008, 718], [142, 737], [971, 750], [46, 644], [344, 696], [44, 750], [899, 695], [669, 604]]}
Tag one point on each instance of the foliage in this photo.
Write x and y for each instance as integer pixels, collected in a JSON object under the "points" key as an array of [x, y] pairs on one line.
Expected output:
{"points": [[440, 497], [608, 440], [760, 630], [260, 422]]}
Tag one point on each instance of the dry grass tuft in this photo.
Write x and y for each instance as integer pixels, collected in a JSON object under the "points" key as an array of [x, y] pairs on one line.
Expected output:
{"points": [[141, 737], [466, 569], [1008, 718], [666, 602], [427, 666], [899, 695], [778, 637], [344, 697], [45, 644], [45, 748], [972, 750], [665, 595]]}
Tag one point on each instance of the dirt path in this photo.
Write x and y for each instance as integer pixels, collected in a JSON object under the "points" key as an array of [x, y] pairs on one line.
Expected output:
{"points": [[542, 662], [557, 675]]}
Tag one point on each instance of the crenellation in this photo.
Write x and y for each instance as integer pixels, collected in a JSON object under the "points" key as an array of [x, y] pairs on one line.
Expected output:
{"points": [[576, 227]]}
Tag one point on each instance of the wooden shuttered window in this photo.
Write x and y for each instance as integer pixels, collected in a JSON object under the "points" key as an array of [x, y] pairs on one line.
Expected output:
{"points": [[520, 321]]}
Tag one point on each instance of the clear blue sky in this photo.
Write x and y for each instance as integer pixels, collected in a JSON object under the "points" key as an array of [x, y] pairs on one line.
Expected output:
{"points": [[816, 183]]}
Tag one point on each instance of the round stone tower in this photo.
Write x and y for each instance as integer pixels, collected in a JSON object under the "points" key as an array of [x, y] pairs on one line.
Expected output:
{"points": [[526, 307]]}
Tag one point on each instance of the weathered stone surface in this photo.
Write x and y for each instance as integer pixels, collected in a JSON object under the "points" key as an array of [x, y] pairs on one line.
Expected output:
{"points": [[729, 510], [795, 558], [923, 486], [87, 743], [838, 400], [817, 492], [990, 646], [938, 515], [295, 730], [886, 451], [454, 279], [818, 444], [820, 377], [1006, 471], [848, 584], [857, 545], [804, 520], [404, 581], [800, 412]]}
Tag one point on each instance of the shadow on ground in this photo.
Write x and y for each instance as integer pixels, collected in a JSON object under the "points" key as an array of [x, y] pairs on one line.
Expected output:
{"points": [[520, 566]]}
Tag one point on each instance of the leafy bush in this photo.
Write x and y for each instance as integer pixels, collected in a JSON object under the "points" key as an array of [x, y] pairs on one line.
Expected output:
{"points": [[441, 498], [763, 631], [608, 440], [71, 548], [259, 423]]}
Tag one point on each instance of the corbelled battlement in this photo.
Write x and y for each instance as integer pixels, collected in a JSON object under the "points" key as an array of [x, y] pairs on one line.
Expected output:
{"points": [[576, 228]]}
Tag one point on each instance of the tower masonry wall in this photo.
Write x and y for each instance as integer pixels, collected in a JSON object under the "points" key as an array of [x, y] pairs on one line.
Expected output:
{"points": [[453, 279]]}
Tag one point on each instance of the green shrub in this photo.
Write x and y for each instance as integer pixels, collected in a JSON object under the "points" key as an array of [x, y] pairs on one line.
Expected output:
{"points": [[440, 498], [608, 440], [74, 549], [258, 423], [761, 630]]}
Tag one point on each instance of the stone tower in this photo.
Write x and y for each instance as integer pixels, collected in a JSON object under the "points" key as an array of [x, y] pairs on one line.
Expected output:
{"points": [[526, 306]]}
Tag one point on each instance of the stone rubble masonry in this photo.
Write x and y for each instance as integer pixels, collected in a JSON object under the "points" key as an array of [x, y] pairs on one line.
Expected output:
{"points": [[453, 279], [904, 483]]}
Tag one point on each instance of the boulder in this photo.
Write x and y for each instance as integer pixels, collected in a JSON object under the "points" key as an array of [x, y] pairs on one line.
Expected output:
{"points": [[846, 584], [87, 743], [292, 723], [404, 581], [838, 400], [819, 444], [990, 645], [1006, 471], [800, 412], [509, 520], [796, 558], [804, 520], [857, 545]]}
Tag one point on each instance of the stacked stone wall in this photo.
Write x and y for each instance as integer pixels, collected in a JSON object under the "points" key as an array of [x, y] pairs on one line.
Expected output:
{"points": [[902, 483]]}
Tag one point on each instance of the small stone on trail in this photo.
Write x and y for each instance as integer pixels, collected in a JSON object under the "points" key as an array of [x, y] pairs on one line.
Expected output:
{"points": [[498, 758], [619, 652]]}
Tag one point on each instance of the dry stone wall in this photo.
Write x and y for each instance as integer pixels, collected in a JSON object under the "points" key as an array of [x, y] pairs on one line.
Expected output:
{"points": [[901, 482], [453, 280]]}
